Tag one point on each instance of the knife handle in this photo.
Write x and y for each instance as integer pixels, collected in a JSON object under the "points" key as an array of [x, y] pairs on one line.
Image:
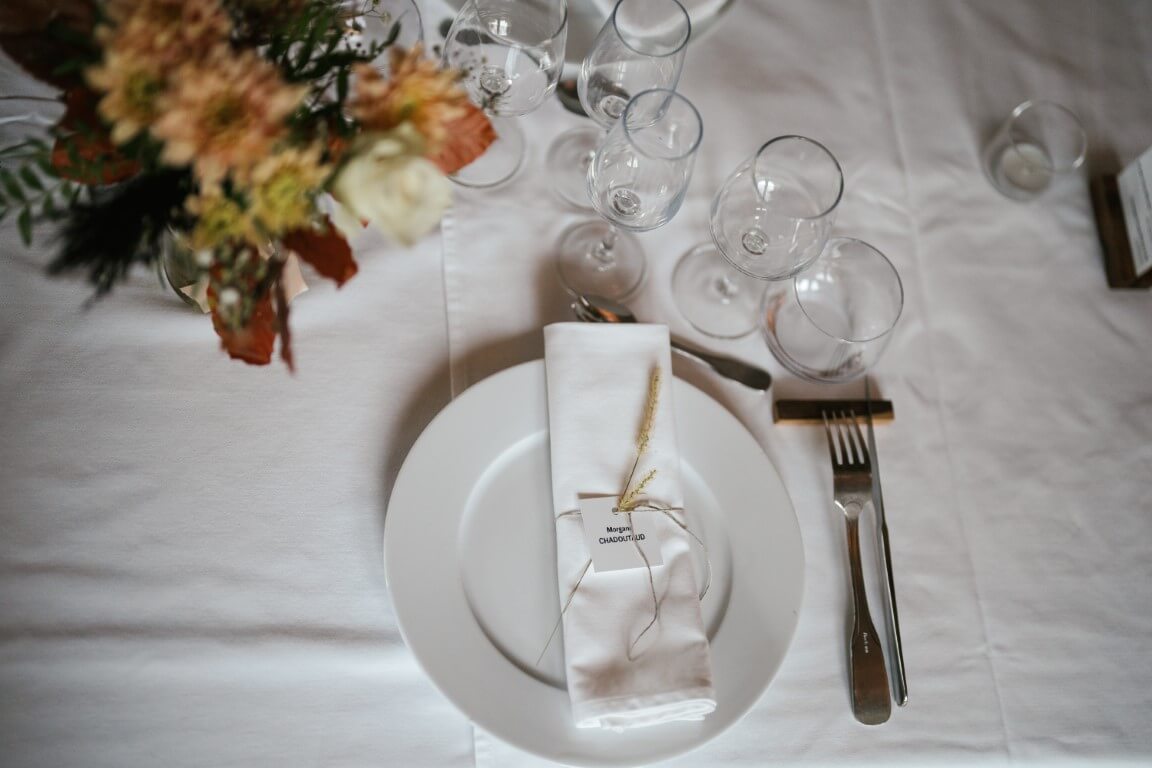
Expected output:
{"points": [[871, 702], [737, 370]]}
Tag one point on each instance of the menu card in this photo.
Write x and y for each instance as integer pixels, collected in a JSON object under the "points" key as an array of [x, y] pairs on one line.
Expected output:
{"points": [[1136, 198], [1123, 207]]}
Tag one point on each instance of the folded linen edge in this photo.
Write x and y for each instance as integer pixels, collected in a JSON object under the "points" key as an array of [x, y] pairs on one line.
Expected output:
{"points": [[623, 712]]}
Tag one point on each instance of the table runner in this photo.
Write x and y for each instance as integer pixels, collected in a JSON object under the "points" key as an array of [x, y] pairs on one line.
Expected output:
{"points": [[871, 80]]}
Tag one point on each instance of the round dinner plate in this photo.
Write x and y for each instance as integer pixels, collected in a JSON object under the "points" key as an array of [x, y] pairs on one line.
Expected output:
{"points": [[469, 553]]}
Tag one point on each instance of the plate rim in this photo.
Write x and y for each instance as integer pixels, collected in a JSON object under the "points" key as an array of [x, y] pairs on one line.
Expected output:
{"points": [[492, 725]]}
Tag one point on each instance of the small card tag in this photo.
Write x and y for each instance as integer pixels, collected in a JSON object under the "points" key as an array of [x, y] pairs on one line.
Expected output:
{"points": [[610, 536], [1135, 184]]}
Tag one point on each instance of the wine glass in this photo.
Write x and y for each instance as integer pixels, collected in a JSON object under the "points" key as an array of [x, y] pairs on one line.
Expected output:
{"points": [[770, 219], [637, 180], [641, 46], [832, 321], [510, 53]]}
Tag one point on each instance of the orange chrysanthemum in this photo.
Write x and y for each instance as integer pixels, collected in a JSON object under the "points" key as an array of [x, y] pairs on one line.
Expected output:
{"points": [[132, 84], [170, 31], [144, 41], [224, 114], [417, 91]]}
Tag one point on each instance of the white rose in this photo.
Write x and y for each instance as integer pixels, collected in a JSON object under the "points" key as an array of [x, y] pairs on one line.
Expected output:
{"points": [[388, 182]]}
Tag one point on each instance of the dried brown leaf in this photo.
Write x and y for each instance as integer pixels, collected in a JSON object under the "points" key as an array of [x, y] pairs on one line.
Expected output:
{"points": [[254, 342], [468, 137], [82, 135], [325, 249]]}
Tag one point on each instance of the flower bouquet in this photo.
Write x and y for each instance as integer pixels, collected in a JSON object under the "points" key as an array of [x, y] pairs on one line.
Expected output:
{"points": [[242, 130]]}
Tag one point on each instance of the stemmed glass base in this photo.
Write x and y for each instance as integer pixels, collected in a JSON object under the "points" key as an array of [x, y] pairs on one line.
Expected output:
{"points": [[568, 159], [500, 161], [595, 259], [714, 297]]}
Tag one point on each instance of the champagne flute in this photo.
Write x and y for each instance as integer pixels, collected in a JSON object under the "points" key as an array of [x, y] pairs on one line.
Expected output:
{"points": [[637, 180], [641, 46], [510, 53], [770, 219]]}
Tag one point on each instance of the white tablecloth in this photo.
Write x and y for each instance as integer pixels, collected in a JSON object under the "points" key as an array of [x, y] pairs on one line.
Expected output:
{"points": [[190, 549]]}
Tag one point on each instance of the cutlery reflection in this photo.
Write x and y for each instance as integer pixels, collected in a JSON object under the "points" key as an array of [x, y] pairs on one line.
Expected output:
{"points": [[570, 97], [596, 309]]}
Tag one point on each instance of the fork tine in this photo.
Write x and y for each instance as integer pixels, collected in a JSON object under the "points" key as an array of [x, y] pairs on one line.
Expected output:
{"points": [[828, 434], [854, 446], [845, 451], [860, 441]]}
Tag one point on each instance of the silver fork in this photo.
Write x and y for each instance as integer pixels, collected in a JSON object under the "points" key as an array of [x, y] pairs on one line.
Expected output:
{"points": [[852, 490]]}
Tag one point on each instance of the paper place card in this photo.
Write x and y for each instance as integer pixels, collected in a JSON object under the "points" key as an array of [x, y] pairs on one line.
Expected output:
{"points": [[613, 537], [1122, 205], [1135, 184]]}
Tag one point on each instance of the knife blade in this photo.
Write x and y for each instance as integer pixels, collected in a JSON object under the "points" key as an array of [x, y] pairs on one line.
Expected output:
{"points": [[899, 679]]}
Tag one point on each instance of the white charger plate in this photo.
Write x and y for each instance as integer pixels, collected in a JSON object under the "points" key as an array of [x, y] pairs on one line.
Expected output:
{"points": [[470, 559]]}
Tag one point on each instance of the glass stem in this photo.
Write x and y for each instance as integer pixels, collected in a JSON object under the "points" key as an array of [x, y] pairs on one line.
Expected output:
{"points": [[727, 289], [604, 251]]}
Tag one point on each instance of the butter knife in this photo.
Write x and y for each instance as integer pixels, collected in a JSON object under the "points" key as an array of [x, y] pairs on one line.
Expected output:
{"points": [[896, 655]]}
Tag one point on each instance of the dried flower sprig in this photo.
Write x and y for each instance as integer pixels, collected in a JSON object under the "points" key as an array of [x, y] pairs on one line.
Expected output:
{"points": [[649, 422], [632, 493], [630, 498]]}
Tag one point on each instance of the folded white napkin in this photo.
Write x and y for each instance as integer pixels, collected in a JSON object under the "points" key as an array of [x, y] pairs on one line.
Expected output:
{"points": [[598, 382]]}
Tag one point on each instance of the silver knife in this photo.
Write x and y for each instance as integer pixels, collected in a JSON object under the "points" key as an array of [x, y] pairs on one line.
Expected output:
{"points": [[899, 680]]}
